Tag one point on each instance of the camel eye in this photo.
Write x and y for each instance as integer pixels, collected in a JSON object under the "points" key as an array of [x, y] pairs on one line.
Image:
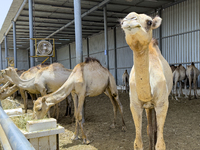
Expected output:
{"points": [[40, 109], [149, 23]]}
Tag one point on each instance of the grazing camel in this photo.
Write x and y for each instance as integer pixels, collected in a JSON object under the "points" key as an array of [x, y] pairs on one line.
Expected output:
{"points": [[150, 78], [89, 78], [192, 74], [46, 80], [125, 79], [179, 75]]}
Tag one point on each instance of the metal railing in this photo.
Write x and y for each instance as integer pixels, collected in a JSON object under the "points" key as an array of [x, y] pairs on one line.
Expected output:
{"points": [[16, 140]]}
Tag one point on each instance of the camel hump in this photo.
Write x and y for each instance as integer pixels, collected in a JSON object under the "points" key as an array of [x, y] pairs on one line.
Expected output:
{"points": [[91, 59]]}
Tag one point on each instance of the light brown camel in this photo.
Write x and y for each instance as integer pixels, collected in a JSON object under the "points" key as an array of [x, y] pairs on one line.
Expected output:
{"points": [[30, 73], [125, 79], [173, 68], [46, 80], [179, 75], [89, 78], [150, 78], [192, 74]]}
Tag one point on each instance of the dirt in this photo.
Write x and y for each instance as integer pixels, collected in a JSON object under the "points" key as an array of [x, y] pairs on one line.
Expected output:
{"points": [[181, 131]]}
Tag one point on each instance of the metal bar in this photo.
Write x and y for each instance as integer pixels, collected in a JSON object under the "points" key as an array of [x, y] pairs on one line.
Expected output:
{"points": [[16, 139], [106, 36], [6, 51], [32, 63], [83, 15], [14, 44], [88, 48], [70, 59], [78, 31], [1, 63], [15, 18], [160, 32], [115, 55]]}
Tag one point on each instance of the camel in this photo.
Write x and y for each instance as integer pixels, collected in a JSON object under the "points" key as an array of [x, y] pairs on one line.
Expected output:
{"points": [[89, 78], [179, 75], [150, 78], [173, 68], [125, 79], [47, 80], [192, 74]]}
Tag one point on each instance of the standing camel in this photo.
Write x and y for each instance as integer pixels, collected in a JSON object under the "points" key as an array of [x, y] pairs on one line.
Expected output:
{"points": [[179, 75], [192, 74], [125, 79], [150, 78], [46, 80], [89, 78]]}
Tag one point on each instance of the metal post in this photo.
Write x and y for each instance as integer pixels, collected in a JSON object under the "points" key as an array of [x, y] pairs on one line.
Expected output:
{"points": [[160, 31], [70, 61], [6, 51], [1, 63], [78, 31], [51, 60], [14, 44], [32, 63], [115, 54], [88, 48], [106, 36]]}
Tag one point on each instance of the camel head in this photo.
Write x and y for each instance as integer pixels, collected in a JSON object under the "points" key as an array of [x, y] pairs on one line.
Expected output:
{"points": [[41, 107], [138, 29]]}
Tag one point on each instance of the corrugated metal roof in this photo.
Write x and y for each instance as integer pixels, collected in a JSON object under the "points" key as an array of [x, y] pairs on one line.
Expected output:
{"points": [[51, 15]]}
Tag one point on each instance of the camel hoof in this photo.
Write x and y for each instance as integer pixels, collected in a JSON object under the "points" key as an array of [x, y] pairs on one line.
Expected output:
{"points": [[112, 126], [86, 141], [124, 128], [74, 137]]}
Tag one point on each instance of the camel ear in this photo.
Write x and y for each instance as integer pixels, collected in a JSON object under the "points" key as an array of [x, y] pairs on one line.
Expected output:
{"points": [[43, 99], [156, 22]]}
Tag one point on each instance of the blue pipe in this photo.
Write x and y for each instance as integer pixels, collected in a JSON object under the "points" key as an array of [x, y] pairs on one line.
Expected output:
{"points": [[32, 63], [16, 139], [14, 44], [6, 51]]}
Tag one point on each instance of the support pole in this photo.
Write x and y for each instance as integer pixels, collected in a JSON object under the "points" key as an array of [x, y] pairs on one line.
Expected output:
{"points": [[51, 60], [32, 63], [88, 48], [6, 51], [106, 36], [160, 32], [1, 63], [115, 54], [70, 60], [14, 44], [78, 31]]}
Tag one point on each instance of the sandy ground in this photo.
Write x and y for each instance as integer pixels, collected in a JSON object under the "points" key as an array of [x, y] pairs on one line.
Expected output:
{"points": [[181, 132]]}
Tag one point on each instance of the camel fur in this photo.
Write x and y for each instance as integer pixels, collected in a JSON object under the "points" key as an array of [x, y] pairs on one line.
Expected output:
{"points": [[125, 79], [46, 80], [179, 75], [192, 74], [150, 78], [89, 78]]}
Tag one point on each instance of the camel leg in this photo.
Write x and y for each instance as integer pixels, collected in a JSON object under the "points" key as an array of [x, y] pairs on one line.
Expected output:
{"points": [[79, 113], [116, 103], [136, 111], [68, 105], [24, 96], [195, 88], [75, 99], [150, 128], [190, 87], [186, 94], [161, 113], [180, 89], [176, 90]]}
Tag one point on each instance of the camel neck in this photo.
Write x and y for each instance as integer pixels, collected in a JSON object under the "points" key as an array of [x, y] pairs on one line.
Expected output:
{"points": [[142, 77]]}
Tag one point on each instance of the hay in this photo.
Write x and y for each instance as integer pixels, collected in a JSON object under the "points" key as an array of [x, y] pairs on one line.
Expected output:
{"points": [[10, 104], [20, 121]]}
